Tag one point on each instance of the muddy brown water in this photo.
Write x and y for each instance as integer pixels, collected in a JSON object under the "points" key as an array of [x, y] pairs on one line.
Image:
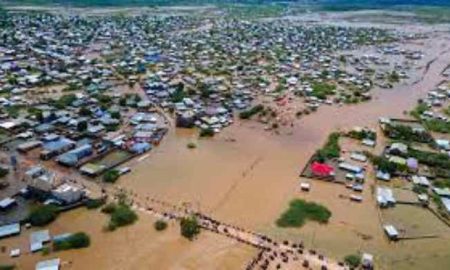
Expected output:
{"points": [[246, 176]]}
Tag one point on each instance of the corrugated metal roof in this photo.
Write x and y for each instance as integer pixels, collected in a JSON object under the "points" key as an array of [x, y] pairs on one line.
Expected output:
{"points": [[52, 264], [10, 229]]}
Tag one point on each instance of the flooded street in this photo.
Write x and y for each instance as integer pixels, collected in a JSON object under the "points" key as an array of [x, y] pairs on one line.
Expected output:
{"points": [[246, 175]]}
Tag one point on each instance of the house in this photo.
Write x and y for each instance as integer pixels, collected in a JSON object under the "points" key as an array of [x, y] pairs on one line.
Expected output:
{"points": [[72, 157], [40, 179], [38, 239], [322, 170], [92, 169], [412, 164], [385, 176], [140, 147], [9, 230], [367, 261], [397, 160], [368, 142], [358, 157], [7, 203], [305, 186], [398, 148], [391, 232], [48, 265], [385, 197], [350, 168], [420, 180], [27, 146], [442, 192], [446, 203], [443, 144], [56, 147], [68, 193]]}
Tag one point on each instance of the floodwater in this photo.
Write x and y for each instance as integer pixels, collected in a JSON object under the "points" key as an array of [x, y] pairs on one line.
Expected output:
{"points": [[246, 176], [138, 246]]}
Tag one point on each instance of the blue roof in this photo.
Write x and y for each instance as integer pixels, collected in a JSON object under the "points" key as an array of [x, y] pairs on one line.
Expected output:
{"points": [[140, 147], [58, 144], [72, 157]]}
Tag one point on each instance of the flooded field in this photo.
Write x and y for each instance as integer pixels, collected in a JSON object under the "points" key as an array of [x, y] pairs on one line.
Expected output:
{"points": [[137, 247], [246, 176]]}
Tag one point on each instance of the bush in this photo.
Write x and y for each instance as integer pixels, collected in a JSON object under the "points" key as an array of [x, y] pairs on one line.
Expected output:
{"points": [[208, 132], [75, 241], [3, 172], [189, 227], [45, 251], [299, 211], [362, 134], [419, 189], [437, 125], [191, 145], [160, 225], [322, 90], [249, 113], [384, 165], [331, 148], [43, 215], [353, 260], [121, 215], [7, 267], [406, 133], [94, 203], [109, 208], [65, 100], [111, 176]]}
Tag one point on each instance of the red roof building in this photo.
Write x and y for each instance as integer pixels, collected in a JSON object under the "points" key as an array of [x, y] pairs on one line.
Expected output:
{"points": [[322, 169]]}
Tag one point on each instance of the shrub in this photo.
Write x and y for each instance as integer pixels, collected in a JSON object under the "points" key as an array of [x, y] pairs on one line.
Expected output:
{"points": [[45, 251], [208, 132], [43, 215], [419, 189], [3, 172], [75, 241], [189, 227], [322, 90], [353, 260], [65, 100], [109, 208], [384, 165], [94, 203], [406, 133], [121, 215], [111, 176], [7, 267], [331, 148], [160, 225], [191, 145], [299, 211], [250, 112]]}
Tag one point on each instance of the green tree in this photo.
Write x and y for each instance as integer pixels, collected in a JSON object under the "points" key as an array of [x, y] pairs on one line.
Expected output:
{"points": [[75, 241], [353, 260], [189, 227], [82, 126], [111, 176], [160, 225], [43, 215], [115, 115]]}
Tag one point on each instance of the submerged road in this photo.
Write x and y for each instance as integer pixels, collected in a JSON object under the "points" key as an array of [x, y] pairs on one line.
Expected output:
{"points": [[273, 254]]}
